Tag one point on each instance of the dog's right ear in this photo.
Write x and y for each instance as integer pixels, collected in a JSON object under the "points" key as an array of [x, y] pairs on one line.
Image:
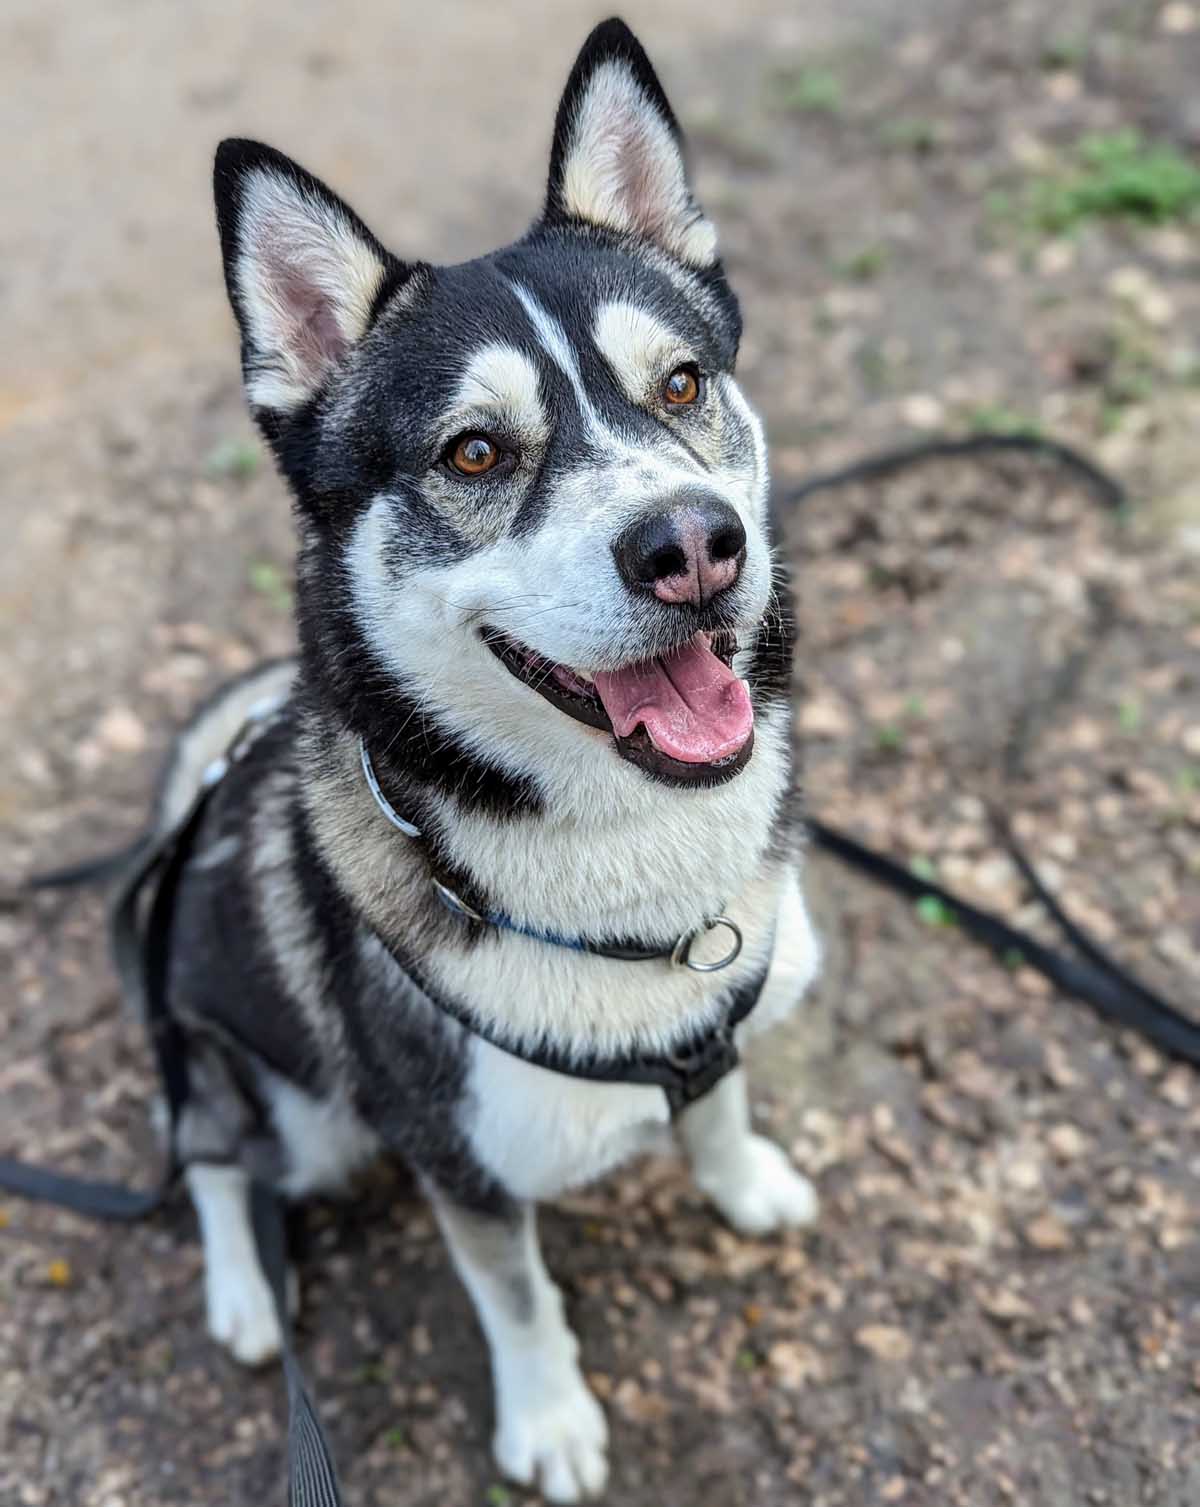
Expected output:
{"points": [[617, 156], [305, 275]]}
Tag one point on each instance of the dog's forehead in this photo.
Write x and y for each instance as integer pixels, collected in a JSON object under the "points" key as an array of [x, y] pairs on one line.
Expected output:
{"points": [[528, 326]]}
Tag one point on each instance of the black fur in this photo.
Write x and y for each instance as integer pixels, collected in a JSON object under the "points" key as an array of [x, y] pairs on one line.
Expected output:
{"points": [[372, 427]]}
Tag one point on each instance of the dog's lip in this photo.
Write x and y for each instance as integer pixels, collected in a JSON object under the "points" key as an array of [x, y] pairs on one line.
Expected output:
{"points": [[568, 690]]}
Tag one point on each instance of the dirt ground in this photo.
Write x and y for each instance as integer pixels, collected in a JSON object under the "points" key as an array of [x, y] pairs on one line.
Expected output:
{"points": [[1002, 1301]]}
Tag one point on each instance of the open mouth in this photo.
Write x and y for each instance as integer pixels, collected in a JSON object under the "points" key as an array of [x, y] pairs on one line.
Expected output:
{"points": [[683, 717]]}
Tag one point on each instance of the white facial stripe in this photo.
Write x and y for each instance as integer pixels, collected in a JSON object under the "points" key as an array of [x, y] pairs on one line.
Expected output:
{"points": [[639, 348], [553, 340], [676, 463], [737, 399], [501, 379]]}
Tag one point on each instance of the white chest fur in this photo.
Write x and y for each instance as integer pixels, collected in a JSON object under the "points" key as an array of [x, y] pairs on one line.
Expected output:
{"points": [[540, 1133]]}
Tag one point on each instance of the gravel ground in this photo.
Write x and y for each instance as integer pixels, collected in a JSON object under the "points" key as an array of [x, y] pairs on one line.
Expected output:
{"points": [[1002, 1302]]}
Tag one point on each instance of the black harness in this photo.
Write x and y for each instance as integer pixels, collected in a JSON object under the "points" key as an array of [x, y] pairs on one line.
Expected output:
{"points": [[685, 1074]]}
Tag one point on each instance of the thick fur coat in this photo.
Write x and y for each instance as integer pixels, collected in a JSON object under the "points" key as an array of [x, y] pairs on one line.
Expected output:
{"points": [[529, 496]]}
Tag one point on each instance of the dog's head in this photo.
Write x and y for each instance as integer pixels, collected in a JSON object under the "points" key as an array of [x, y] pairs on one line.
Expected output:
{"points": [[530, 491]]}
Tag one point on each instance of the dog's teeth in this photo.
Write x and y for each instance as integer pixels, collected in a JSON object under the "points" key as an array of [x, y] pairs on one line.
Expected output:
{"points": [[571, 680]]}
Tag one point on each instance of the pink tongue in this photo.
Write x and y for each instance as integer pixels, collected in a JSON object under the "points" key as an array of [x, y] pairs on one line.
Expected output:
{"points": [[694, 707]]}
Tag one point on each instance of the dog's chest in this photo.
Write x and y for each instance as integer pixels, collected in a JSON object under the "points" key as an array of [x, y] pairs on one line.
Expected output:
{"points": [[539, 1133]]}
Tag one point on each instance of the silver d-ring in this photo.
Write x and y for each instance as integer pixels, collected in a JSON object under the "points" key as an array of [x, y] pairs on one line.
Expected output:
{"points": [[683, 947]]}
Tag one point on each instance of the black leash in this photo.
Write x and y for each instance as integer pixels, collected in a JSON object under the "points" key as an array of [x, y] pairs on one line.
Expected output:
{"points": [[1112, 991], [1106, 488], [312, 1475], [1094, 977]]}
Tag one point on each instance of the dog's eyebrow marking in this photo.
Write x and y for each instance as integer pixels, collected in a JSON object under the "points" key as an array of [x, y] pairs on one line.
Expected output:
{"points": [[639, 348], [553, 340], [501, 377]]}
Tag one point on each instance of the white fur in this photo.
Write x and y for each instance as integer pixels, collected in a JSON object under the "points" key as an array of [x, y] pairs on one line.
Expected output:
{"points": [[624, 170], [327, 1142], [550, 1431], [288, 236], [639, 348], [500, 381], [748, 1177], [241, 1308], [540, 1133], [795, 961]]}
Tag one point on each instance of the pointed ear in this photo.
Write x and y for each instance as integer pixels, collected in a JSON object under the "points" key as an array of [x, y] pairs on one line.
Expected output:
{"points": [[305, 275], [617, 159]]}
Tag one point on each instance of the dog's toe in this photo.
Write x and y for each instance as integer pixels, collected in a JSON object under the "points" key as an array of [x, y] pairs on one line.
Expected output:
{"points": [[557, 1442], [242, 1317], [763, 1192]]}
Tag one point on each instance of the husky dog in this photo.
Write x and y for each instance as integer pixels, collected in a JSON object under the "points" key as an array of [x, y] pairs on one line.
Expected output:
{"points": [[538, 727]]}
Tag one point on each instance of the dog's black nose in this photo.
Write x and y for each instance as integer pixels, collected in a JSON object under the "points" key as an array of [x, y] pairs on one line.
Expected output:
{"points": [[688, 550]]}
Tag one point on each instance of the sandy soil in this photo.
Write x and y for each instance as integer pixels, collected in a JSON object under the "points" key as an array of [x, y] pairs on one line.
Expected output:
{"points": [[1002, 1302]]}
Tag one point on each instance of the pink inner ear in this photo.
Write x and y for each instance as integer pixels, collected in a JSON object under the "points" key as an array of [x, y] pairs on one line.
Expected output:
{"points": [[314, 339], [300, 317], [642, 179]]}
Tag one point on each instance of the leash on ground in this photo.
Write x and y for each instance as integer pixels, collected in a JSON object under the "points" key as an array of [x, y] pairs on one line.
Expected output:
{"points": [[151, 868], [1093, 976]]}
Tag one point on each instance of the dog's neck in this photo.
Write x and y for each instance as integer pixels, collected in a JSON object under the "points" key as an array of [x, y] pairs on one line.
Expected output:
{"points": [[621, 858]]}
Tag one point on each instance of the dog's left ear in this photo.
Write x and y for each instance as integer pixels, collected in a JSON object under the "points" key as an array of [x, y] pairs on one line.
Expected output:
{"points": [[305, 276], [617, 159]]}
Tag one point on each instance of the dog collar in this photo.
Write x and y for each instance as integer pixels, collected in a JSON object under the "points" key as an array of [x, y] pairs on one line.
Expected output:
{"points": [[677, 952]]}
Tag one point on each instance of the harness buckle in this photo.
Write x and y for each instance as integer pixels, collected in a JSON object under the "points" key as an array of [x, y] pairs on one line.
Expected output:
{"points": [[680, 953]]}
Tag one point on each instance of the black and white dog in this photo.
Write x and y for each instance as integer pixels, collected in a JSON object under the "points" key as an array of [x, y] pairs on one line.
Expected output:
{"points": [[539, 722]]}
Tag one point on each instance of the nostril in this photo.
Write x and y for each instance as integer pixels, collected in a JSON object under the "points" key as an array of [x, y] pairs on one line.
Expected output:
{"points": [[727, 542], [670, 561]]}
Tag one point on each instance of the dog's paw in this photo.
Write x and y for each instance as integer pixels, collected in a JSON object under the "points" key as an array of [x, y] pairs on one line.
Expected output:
{"points": [[553, 1437], [760, 1190], [242, 1316]]}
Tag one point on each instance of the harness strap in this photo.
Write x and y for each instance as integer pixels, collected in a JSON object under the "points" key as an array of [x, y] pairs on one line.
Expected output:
{"points": [[685, 1074]]}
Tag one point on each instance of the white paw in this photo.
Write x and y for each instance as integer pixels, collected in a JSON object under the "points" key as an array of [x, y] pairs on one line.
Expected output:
{"points": [[759, 1190], [241, 1314], [553, 1436]]}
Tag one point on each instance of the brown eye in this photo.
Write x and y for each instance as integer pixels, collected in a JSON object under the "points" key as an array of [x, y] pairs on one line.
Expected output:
{"points": [[682, 386], [473, 454]]}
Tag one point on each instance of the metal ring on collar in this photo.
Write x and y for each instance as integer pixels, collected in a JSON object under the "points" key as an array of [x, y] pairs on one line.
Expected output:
{"points": [[683, 947], [455, 902]]}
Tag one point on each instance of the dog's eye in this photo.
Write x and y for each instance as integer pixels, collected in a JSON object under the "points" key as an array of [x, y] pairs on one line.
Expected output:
{"points": [[683, 386], [472, 454]]}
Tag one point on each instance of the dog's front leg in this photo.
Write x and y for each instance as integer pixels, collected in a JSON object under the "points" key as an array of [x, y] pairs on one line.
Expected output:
{"points": [[748, 1177], [550, 1431], [241, 1307]]}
